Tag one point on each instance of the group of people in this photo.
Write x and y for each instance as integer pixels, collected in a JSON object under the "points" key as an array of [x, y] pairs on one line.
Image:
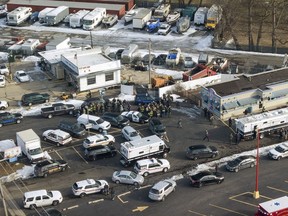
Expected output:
{"points": [[155, 109]]}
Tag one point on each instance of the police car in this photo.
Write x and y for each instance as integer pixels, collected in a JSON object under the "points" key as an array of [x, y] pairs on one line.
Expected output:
{"points": [[88, 186], [147, 166]]}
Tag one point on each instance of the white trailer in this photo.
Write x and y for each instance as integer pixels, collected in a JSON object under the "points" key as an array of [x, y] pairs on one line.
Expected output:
{"points": [[76, 20], [141, 18], [265, 123], [142, 148], [214, 15], [93, 18], [162, 11], [30, 145], [127, 54], [57, 15], [200, 16], [19, 15], [42, 14]]}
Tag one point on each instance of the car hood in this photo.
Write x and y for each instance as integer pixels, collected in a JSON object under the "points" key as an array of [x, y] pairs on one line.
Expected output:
{"points": [[274, 152]]}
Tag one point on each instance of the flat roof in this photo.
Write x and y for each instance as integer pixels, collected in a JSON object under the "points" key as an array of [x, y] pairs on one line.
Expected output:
{"points": [[83, 5], [250, 82], [86, 58], [54, 56]]}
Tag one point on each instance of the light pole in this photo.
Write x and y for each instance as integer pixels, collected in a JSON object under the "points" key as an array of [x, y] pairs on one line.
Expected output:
{"points": [[9, 65], [256, 193]]}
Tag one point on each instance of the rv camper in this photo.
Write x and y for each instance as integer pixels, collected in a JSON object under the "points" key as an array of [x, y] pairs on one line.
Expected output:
{"points": [[162, 11], [76, 20], [141, 18], [42, 14], [19, 15], [127, 54], [93, 18], [57, 15]]}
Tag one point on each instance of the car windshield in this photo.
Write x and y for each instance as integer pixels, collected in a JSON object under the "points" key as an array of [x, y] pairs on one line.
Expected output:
{"points": [[120, 118], [237, 161], [87, 141], [279, 149], [133, 175], [49, 193], [139, 115], [154, 191], [188, 59], [98, 183], [35, 151], [133, 134], [100, 121], [22, 74]]}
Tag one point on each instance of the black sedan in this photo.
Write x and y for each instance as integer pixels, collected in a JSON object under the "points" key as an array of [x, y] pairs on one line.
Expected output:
{"points": [[206, 178], [201, 151], [241, 162], [116, 120]]}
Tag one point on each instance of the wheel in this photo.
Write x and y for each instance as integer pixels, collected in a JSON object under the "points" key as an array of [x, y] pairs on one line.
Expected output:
{"points": [[33, 206], [63, 169], [58, 144], [82, 195], [252, 165], [2, 108], [163, 198], [100, 130], [50, 116], [279, 158], [29, 104], [117, 182], [213, 156], [45, 175], [219, 182], [142, 121], [70, 112], [55, 202], [145, 174], [18, 121], [165, 169], [46, 101], [136, 184], [165, 154], [45, 138], [195, 158], [237, 169]]}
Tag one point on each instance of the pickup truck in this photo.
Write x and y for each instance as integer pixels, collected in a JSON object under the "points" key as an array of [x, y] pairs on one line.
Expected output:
{"points": [[47, 167], [57, 109]]}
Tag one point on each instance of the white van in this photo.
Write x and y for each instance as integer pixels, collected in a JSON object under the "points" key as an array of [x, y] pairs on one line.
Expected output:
{"points": [[94, 122], [38, 198]]}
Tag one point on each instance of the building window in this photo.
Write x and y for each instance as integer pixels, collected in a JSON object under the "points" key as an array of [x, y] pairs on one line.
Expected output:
{"points": [[91, 80], [109, 76]]}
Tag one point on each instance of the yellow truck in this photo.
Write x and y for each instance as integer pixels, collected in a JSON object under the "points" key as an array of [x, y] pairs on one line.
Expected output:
{"points": [[213, 17]]}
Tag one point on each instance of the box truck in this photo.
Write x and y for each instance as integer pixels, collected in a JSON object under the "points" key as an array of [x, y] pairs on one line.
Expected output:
{"points": [[200, 16], [142, 148], [213, 17], [42, 14], [30, 145], [141, 18], [57, 15]]}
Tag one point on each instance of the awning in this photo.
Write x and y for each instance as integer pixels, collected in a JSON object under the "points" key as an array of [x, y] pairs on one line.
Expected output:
{"points": [[247, 101], [280, 93]]}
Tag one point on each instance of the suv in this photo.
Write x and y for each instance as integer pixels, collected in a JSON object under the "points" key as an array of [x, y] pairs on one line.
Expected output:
{"points": [[10, 118], [34, 98], [47, 167], [38, 198], [88, 186], [147, 166], [162, 189], [57, 136], [98, 139], [130, 134], [94, 122], [98, 152], [72, 128], [115, 119], [156, 127], [279, 151], [201, 151], [4, 69]]}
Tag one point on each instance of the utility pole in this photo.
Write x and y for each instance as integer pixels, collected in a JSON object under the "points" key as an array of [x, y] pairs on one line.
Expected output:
{"points": [[91, 41], [149, 47], [3, 200]]}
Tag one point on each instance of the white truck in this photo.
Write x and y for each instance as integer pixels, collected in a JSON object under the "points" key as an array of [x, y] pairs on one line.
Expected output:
{"points": [[93, 18], [30, 145], [266, 123], [42, 14], [214, 15], [162, 11], [19, 15], [142, 148], [141, 18], [200, 16], [76, 20], [57, 15], [174, 57]]}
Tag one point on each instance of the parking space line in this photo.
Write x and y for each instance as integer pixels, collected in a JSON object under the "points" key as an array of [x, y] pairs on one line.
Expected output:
{"points": [[243, 202], [95, 201], [123, 195], [229, 210], [145, 186], [61, 157], [80, 155], [71, 207], [196, 213], [272, 188]]}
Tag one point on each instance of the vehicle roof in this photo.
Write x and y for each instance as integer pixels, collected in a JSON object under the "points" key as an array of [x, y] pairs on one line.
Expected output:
{"points": [[35, 193], [146, 161], [60, 132], [95, 137], [284, 145], [89, 116], [124, 172], [200, 146], [129, 128], [85, 182], [44, 163], [243, 157], [159, 185], [275, 204]]}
